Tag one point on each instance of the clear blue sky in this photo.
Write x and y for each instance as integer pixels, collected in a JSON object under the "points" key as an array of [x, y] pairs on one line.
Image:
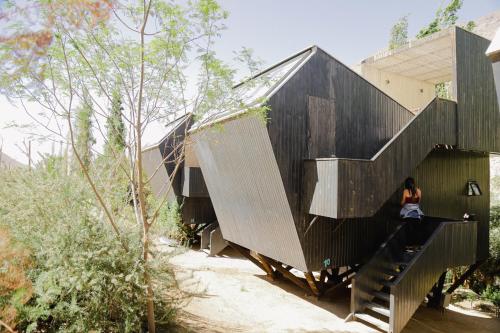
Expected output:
{"points": [[350, 30]]}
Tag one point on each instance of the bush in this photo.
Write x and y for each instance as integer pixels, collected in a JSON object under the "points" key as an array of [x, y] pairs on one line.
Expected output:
{"points": [[170, 222], [492, 294], [15, 287], [82, 279]]}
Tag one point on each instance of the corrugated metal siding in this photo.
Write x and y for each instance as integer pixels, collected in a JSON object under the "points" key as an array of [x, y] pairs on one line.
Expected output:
{"points": [[478, 115], [452, 244], [247, 191], [154, 168]]}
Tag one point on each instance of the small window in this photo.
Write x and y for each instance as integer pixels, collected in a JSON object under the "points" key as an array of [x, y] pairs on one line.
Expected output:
{"points": [[473, 188]]}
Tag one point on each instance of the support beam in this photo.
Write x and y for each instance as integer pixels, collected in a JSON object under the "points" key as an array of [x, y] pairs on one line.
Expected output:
{"points": [[312, 283], [246, 253], [437, 291], [269, 270], [464, 277], [299, 282]]}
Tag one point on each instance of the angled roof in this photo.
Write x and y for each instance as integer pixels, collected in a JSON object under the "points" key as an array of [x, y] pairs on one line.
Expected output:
{"points": [[166, 131], [256, 90]]}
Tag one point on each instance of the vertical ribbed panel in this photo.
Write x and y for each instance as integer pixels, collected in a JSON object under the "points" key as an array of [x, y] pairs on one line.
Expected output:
{"points": [[364, 119], [478, 116], [364, 186], [452, 244], [155, 169], [246, 189], [193, 184]]}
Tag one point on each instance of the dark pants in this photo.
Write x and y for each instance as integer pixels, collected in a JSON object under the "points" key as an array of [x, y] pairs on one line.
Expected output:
{"points": [[415, 231]]}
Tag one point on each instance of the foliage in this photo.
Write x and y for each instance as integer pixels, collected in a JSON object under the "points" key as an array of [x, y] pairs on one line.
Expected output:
{"points": [[492, 294], [470, 26], [115, 127], [443, 90], [52, 52], [82, 278], [399, 33], [83, 125], [15, 287], [170, 222], [443, 19]]}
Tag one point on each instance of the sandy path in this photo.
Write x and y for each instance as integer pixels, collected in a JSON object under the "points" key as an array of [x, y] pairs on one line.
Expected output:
{"points": [[230, 294]]}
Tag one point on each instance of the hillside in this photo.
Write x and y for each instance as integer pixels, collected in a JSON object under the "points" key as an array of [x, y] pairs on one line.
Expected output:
{"points": [[8, 162]]}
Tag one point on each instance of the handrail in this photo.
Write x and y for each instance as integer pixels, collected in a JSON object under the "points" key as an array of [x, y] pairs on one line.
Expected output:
{"points": [[378, 177], [453, 243]]}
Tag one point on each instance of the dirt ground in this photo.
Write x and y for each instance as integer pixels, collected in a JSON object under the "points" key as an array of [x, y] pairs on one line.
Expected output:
{"points": [[230, 294]]}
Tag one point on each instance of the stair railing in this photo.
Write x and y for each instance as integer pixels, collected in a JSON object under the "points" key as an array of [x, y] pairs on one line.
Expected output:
{"points": [[452, 244]]}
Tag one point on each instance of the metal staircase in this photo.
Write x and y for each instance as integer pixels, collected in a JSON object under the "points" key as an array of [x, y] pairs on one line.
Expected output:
{"points": [[391, 286]]}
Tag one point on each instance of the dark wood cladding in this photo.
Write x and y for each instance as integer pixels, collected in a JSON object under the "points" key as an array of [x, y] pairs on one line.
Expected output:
{"points": [[443, 178], [193, 184], [478, 115], [363, 186], [246, 189], [452, 244], [197, 211], [368, 278], [323, 93], [321, 130]]}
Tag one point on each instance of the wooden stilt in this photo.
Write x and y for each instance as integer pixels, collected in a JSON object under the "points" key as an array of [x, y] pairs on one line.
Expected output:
{"points": [[312, 283], [322, 276], [299, 282], [246, 253], [269, 270], [437, 291], [464, 276]]}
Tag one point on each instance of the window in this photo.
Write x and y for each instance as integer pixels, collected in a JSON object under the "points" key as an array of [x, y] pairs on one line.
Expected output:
{"points": [[473, 188]]}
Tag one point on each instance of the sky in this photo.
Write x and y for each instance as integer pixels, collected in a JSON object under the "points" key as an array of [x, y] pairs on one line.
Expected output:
{"points": [[275, 29]]}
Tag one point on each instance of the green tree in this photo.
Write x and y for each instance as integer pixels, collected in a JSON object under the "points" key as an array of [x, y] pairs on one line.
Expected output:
{"points": [[399, 33], [50, 51], [115, 127], [83, 127], [445, 18]]}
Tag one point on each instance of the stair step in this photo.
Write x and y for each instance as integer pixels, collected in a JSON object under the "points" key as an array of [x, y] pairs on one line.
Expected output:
{"points": [[381, 295], [386, 283], [389, 272], [372, 320], [378, 309]]}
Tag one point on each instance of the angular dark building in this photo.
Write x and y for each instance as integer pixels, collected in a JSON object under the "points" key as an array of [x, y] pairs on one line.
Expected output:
{"points": [[317, 185]]}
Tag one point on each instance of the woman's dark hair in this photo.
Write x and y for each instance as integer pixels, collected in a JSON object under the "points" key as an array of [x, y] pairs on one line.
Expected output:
{"points": [[410, 186]]}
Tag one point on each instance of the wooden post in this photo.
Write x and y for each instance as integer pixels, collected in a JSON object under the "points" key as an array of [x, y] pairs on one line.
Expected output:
{"points": [[297, 281], [437, 291], [246, 253], [267, 267], [312, 283], [464, 276]]}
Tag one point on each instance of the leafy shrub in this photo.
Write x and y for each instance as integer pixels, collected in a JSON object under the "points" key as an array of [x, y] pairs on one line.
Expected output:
{"points": [[82, 279], [15, 287], [492, 294], [170, 222]]}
